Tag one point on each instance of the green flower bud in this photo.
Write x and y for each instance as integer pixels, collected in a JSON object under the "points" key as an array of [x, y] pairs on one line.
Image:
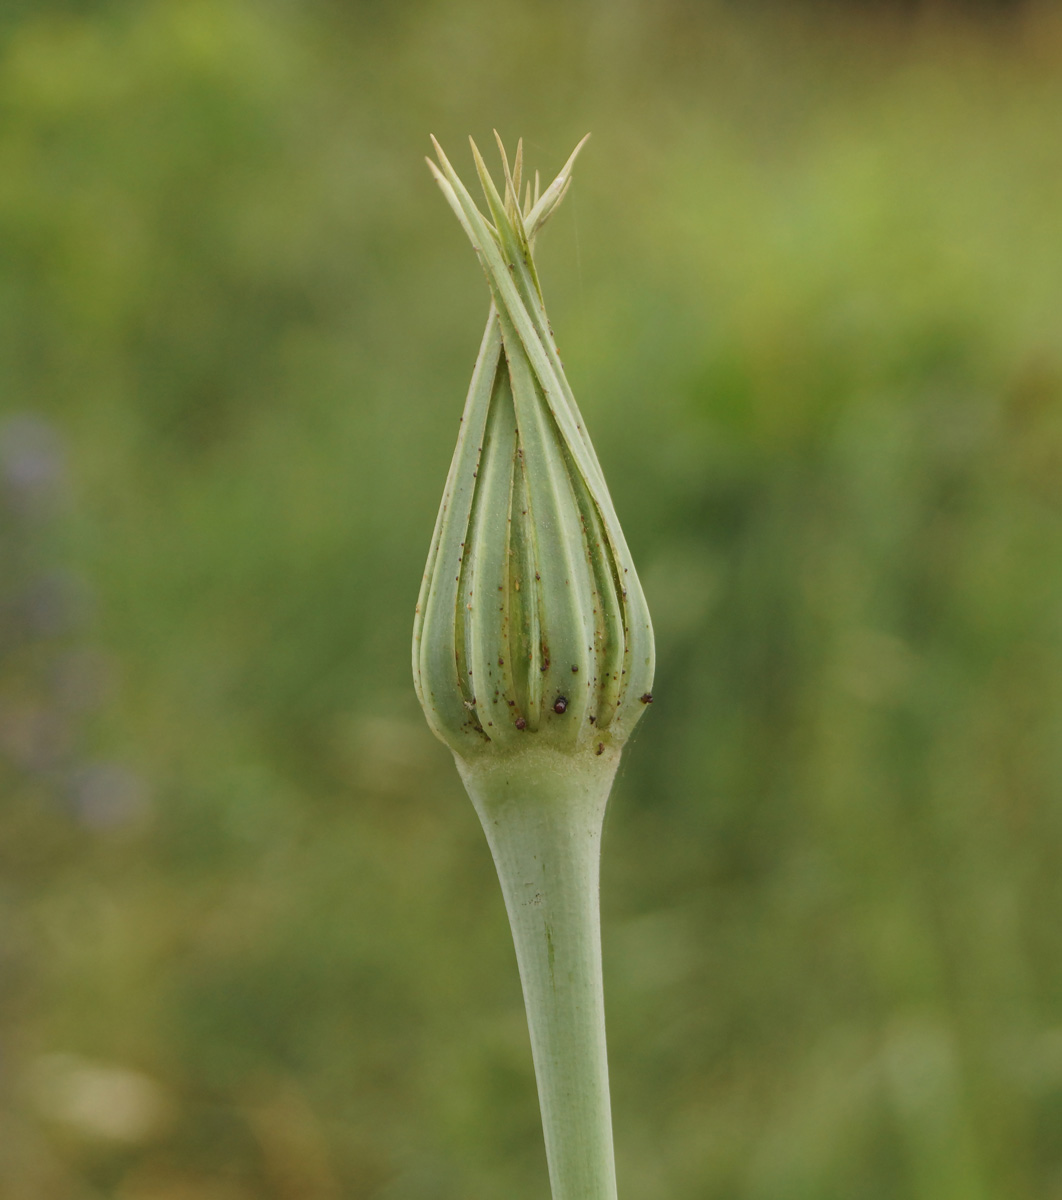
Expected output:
{"points": [[531, 625]]}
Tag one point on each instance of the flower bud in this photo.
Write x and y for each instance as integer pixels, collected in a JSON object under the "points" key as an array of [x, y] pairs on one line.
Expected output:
{"points": [[532, 628]]}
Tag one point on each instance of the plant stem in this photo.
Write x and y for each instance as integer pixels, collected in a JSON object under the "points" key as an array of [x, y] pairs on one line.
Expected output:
{"points": [[543, 813]]}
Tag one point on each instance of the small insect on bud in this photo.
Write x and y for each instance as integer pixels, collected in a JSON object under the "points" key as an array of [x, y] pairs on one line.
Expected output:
{"points": [[560, 705]]}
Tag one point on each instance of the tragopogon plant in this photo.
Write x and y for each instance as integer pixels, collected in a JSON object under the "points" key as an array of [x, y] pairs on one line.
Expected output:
{"points": [[533, 659]]}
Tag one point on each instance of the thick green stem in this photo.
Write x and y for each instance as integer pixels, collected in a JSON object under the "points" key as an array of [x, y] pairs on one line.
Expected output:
{"points": [[543, 812]]}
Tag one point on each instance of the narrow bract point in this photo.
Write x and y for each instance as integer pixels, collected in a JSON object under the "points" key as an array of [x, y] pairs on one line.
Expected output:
{"points": [[532, 627]]}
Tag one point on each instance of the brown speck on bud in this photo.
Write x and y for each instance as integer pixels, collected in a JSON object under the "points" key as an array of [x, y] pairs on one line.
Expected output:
{"points": [[560, 705], [647, 698], [520, 723]]}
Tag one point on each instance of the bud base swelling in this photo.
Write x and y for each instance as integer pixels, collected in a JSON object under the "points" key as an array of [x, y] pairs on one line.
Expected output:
{"points": [[533, 659]]}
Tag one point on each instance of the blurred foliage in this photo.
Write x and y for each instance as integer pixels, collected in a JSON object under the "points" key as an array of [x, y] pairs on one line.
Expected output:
{"points": [[807, 287]]}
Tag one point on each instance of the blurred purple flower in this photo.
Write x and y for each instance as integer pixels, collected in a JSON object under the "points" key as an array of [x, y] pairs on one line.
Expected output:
{"points": [[56, 603], [106, 795], [32, 462]]}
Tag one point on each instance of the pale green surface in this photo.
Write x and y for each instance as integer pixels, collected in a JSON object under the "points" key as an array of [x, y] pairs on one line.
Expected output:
{"points": [[543, 812], [823, 379]]}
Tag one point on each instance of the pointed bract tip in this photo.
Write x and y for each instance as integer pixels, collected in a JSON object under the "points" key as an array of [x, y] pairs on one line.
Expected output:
{"points": [[501, 150], [481, 166], [576, 152]]}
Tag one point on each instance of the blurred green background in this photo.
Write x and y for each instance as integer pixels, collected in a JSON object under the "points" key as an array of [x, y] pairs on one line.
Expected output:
{"points": [[808, 286]]}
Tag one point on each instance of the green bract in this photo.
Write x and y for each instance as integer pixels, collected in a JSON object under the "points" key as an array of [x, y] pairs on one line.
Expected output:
{"points": [[532, 624]]}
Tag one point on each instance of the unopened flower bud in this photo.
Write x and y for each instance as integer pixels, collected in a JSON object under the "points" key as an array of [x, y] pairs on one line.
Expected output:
{"points": [[532, 627]]}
